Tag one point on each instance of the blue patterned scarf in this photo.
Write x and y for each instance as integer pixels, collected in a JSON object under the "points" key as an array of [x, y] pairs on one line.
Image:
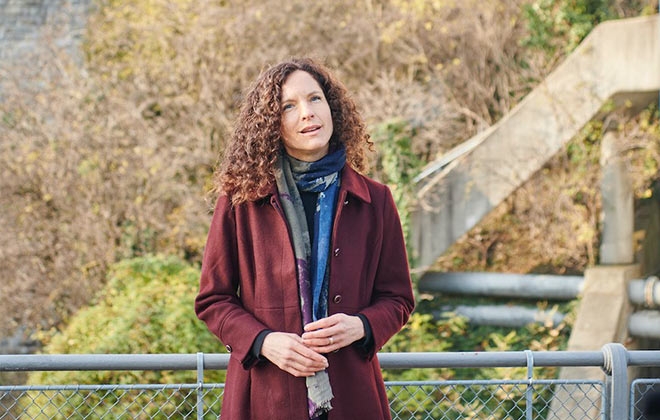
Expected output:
{"points": [[323, 178]]}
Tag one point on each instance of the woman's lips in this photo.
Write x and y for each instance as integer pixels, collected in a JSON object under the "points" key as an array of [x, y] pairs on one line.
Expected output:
{"points": [[310, 129]]}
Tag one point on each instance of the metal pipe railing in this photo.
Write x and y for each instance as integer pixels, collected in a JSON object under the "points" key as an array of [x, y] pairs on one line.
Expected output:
{"points": [[644, 324], [525, 286], [402, 360], [512, 316], [645, 292]]}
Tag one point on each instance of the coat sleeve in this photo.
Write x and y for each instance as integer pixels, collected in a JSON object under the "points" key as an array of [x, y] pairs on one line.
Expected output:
{"points": [[392, 298], [218, 303]]}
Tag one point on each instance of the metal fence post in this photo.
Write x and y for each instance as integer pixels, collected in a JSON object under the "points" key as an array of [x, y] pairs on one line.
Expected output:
{"points": [[200, 385], [615, 366], [529, 392]]}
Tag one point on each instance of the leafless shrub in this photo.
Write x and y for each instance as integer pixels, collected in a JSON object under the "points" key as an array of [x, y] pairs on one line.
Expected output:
{"points": [[88, 177]]}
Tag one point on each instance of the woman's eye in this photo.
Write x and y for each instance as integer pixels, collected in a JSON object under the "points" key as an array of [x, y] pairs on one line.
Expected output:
{"points": [[316, 98], [287, 107]]}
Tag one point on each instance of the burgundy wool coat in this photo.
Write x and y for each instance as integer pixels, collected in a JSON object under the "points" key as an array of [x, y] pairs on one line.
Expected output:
{"points": [[248, 284]]}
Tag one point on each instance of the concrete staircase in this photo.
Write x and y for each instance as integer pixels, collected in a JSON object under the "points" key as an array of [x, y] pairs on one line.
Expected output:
{"points": [[619, 61]]}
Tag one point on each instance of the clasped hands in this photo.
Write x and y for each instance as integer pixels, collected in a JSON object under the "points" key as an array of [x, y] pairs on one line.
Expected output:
{"points": [[303, 355]]}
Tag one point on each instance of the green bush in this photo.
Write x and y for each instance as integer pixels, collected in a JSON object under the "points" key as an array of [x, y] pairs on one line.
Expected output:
{"points": [[424, 334], [146, 307]]}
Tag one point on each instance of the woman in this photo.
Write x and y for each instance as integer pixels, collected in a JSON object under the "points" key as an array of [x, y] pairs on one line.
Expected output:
{"points": [[305, 275]]}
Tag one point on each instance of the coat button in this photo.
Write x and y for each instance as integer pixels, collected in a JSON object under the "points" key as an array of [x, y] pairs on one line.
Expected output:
{"points": [[228, 347], [337, 252], [346, 202], [337, 299]]}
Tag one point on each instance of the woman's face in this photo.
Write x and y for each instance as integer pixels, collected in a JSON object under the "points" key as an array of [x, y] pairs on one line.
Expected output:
{"points": [[306, 119]]}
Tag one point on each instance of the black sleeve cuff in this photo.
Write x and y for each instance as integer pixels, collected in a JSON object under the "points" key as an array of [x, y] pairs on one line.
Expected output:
{"points": [[367, 342], [258, 343]]}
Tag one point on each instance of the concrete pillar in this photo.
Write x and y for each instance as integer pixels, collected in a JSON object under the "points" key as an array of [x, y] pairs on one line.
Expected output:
{"points": [[602, 318], [604, 310], [618, 205]]}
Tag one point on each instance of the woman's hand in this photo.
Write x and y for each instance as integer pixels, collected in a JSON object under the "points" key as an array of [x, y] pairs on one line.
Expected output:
{"points": [[332, 333], [288, 352]]}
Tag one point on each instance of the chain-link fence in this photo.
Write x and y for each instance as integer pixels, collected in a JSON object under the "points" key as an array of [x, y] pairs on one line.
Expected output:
{"points": [[527, 398], [491, 399], [645, 399], [147, 401]]}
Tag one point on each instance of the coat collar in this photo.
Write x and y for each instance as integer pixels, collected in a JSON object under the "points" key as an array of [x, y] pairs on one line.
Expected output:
{"points": [[351, 182], [354, 183]]}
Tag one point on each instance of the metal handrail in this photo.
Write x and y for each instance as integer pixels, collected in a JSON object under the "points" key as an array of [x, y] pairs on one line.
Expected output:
{"points": [[400, 360]]}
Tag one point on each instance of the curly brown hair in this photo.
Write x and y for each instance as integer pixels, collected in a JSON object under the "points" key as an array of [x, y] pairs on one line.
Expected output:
{"points": [[246, 172]]}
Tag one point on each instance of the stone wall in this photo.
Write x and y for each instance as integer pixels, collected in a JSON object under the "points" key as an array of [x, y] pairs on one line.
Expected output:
{"points": [[27, 25]]}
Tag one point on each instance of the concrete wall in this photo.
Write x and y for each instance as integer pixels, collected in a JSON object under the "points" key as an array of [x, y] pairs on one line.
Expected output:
{"points": [[25, 25]]}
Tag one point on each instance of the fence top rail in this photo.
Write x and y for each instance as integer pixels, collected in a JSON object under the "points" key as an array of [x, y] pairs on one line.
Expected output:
{"points": [[512, 359], [155, 362]]}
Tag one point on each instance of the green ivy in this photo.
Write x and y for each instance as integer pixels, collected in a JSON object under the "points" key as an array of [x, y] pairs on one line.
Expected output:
{"points": [[398, 165], [559, 26]]}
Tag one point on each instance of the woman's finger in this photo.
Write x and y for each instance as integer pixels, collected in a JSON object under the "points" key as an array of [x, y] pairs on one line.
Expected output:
{"points": [[288, 353], [333, 333]]}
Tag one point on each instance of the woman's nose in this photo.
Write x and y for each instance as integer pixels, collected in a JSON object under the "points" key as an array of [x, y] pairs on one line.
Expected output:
{"points": [[306, 112]]}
